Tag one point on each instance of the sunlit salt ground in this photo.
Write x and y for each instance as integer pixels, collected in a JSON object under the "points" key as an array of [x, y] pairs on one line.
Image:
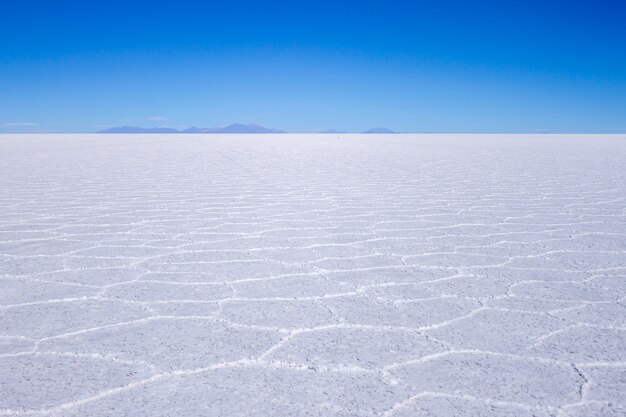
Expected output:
{"points": [[320, 276]]}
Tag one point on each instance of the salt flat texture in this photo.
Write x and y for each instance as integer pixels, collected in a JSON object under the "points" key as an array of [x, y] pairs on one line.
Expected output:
{"points": [[313, 275]]}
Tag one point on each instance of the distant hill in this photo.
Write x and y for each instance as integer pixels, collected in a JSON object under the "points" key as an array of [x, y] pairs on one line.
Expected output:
{"points": [[201, 130], [332, 131], [379, 130], [234, 128], [249, 128], [134, 129]]}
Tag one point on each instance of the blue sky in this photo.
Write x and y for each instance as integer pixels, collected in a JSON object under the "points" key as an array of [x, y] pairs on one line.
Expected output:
{"points": [[432, 66]]}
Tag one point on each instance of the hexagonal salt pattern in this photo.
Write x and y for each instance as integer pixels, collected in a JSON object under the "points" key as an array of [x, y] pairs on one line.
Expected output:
{"points": [[467, 276]]}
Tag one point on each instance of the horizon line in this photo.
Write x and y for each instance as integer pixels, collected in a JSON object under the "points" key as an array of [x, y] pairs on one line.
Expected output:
{"points": [[284, 133]]}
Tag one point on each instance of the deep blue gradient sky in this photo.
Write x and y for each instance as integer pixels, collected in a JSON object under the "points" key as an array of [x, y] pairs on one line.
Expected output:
{"points": [[432, 66]]}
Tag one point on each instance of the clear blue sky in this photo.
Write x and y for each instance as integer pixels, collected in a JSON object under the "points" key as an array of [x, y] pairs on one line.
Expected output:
{"points": [[437, 66]]}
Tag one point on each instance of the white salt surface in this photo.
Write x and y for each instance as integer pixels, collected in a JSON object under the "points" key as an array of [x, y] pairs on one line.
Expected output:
{"points": [[286, 275]]}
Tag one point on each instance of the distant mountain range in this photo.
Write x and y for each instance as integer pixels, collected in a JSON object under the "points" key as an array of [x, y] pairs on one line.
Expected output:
{"points": [[234, 128], [332, 131], [133, 129], [373, 130], [379, 130]]}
